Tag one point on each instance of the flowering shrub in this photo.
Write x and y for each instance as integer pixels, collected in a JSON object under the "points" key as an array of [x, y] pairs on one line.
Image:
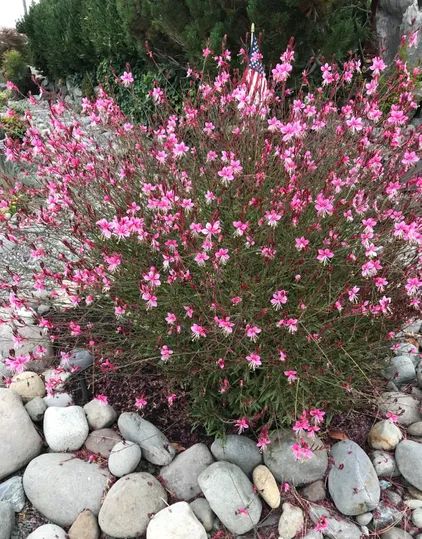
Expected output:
{"points": [[259, 252]]}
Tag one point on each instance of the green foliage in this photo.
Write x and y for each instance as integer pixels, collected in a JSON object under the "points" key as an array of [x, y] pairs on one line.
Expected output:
{"points": [[15, 69], [136, 101], [12, 126], [75, 36], [4, 97]]}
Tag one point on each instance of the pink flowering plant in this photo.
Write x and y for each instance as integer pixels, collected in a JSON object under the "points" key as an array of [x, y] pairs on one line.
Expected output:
{"points": [[258, 251]]}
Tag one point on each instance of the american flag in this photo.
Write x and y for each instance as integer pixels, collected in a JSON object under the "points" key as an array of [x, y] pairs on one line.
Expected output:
{"points": [[254, 75]]}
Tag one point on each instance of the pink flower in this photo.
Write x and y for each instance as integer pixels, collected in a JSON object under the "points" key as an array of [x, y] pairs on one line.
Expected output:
{"points": [[241, 424], [198, 331], [322, 524], [279, 299], [166, 353], [150, 299], [252, 332], [301, 450], [290, 323], [171, 319], [17, 363], [291, 376], [171, 398], [225, 324], [353, 294], [236, 300], [11, 86], [114, 260], [140, 402], [102, 399], [377, 65], [127, 78], [301, 243], [324, 255], [410, 158], [152, 277], [254, 360], [272, 218], [201, 258], [392, 417], [323, 205], [75, 329], [413, 286]]}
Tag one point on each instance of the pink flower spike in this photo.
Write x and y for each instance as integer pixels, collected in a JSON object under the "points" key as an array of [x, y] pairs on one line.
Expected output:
{"points": [[241, 424], [127, 79]]}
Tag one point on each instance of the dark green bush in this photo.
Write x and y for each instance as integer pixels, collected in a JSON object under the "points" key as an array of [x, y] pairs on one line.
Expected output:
{"points": [[74, 36], [15, 69]]}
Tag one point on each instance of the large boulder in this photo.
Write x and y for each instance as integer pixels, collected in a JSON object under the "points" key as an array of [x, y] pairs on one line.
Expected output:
{"points": [[155, 446], [19, 441], [60, 486], [65, 429], [280, 459], [130, 504], [352, 480], [231, 496], [181, 476], [177, 521], [238, 450], [409, 459]]}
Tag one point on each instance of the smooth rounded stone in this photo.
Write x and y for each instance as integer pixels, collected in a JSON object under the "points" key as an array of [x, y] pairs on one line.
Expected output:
{"points": [[154, 444], [396, 533], [7, 520], [203, 513], [79, 359], [19, 441], [180, 477], [404, 406], [177, 521], [266, 485], [315, 492], [36, 408], [280, 459], [413, 504], [102, 441], [229, 491], [419, 373], [384, 435], [291, 521], [384, 464], [417, 517], [59, 400], [337, 528], [99, 416], [352, 480], [385, 515], [124, 458], [11, 491], [400, 369], [364, 519], [414, 492], [48, 531], [238, 450], [129, 505], [416, 392], [85, 526], [415, 429], [28, 385], [65, 429], [409, 459], [60, 486]]}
